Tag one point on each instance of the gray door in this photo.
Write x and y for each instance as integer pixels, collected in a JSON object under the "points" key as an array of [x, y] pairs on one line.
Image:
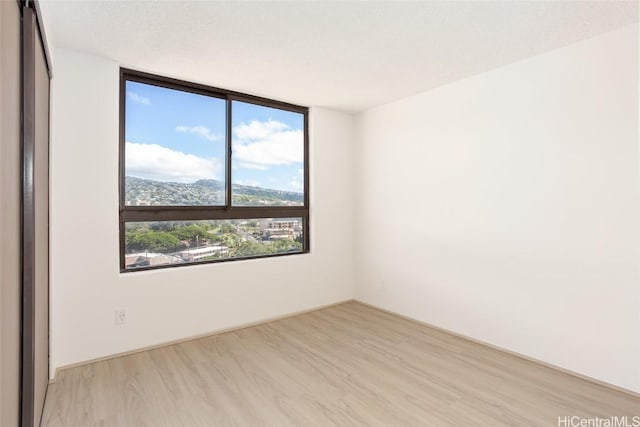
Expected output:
{"points": [[35, 210]]}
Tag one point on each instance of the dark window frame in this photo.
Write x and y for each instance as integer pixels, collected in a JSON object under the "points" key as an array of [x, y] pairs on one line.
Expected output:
{"points": [[193, 213]]}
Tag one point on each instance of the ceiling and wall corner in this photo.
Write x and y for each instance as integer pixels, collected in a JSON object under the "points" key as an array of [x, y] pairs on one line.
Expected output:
{"points": [[347, 56]]}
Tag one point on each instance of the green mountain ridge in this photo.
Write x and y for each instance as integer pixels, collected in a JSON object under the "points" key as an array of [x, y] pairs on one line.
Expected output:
{"points": [[204, 192]]}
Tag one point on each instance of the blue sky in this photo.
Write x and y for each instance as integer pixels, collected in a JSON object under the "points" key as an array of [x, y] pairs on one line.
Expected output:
{"points": [[179, 136]]}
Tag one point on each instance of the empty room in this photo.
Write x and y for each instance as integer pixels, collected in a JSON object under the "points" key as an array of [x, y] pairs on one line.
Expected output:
{"points": [[317, 213]]}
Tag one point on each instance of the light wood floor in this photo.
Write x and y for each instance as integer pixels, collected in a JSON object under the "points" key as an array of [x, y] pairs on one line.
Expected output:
{"points": [[348, 365]]}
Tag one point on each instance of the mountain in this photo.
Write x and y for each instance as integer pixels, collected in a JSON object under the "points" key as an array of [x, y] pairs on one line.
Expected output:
{"points": [[204, 192]]}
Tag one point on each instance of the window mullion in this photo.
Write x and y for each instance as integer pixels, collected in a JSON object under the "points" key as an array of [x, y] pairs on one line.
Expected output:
{"points": [[193, 213], [229, 154]]}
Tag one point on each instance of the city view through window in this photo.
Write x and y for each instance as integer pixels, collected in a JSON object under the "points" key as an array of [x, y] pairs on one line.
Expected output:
{"points": [[178, 148], [151, 244], [175, 151]]}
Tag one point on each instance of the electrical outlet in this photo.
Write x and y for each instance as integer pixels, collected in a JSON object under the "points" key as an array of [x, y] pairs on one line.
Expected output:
{"points": [[121, 316]]}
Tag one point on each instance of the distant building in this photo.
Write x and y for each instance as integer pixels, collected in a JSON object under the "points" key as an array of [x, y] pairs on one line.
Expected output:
{"points": [[197, 254], [280, 224], [277, 229], [285, 224], [284, 233], [149, 259]]}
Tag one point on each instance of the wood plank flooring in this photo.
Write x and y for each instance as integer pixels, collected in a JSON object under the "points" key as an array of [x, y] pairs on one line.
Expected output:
{"points": [[348, 365]]}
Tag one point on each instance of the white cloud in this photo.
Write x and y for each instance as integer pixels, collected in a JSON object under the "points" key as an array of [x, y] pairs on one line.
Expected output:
{"points": [[201, 131], [260, 145], [152, 161], [297, 181], [296, 184], [248, 182], [138, 98], [258, 130], [252, 166]]}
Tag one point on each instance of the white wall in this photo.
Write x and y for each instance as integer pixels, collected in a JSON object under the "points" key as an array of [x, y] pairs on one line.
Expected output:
{"points": [[171, 304], [505, 207]]}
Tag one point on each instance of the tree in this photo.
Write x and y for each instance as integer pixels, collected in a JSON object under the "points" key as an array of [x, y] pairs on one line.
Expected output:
{"points": [[190, 232], [153, 241], [251, 247], [225, 227]]}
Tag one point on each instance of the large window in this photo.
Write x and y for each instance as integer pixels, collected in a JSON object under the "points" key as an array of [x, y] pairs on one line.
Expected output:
{"points": [[208, 175]]}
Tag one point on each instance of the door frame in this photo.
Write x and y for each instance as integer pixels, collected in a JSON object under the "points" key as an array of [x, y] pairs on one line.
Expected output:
{"points": [[31, 29]]}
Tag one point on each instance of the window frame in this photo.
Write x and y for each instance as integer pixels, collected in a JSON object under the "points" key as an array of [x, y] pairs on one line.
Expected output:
{"points": [[193, 213]]}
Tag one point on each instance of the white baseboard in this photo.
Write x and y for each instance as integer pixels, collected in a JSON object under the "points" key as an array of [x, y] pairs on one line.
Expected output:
{"points": [[192, 337], [510, 352]]}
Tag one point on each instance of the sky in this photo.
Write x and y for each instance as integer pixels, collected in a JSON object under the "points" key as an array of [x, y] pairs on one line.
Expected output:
{"points": [[180, 137]]}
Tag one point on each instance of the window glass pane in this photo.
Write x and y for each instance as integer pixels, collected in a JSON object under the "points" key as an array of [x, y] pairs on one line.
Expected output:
{"points": [[174, 147], [151, 244], [268, 156]]}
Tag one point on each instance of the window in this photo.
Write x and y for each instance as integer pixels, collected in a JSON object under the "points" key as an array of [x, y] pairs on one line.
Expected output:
{"points": [[208, 175]]}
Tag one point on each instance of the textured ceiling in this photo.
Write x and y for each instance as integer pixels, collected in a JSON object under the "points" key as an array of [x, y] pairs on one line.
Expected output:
{"points": [[343, 55]]}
